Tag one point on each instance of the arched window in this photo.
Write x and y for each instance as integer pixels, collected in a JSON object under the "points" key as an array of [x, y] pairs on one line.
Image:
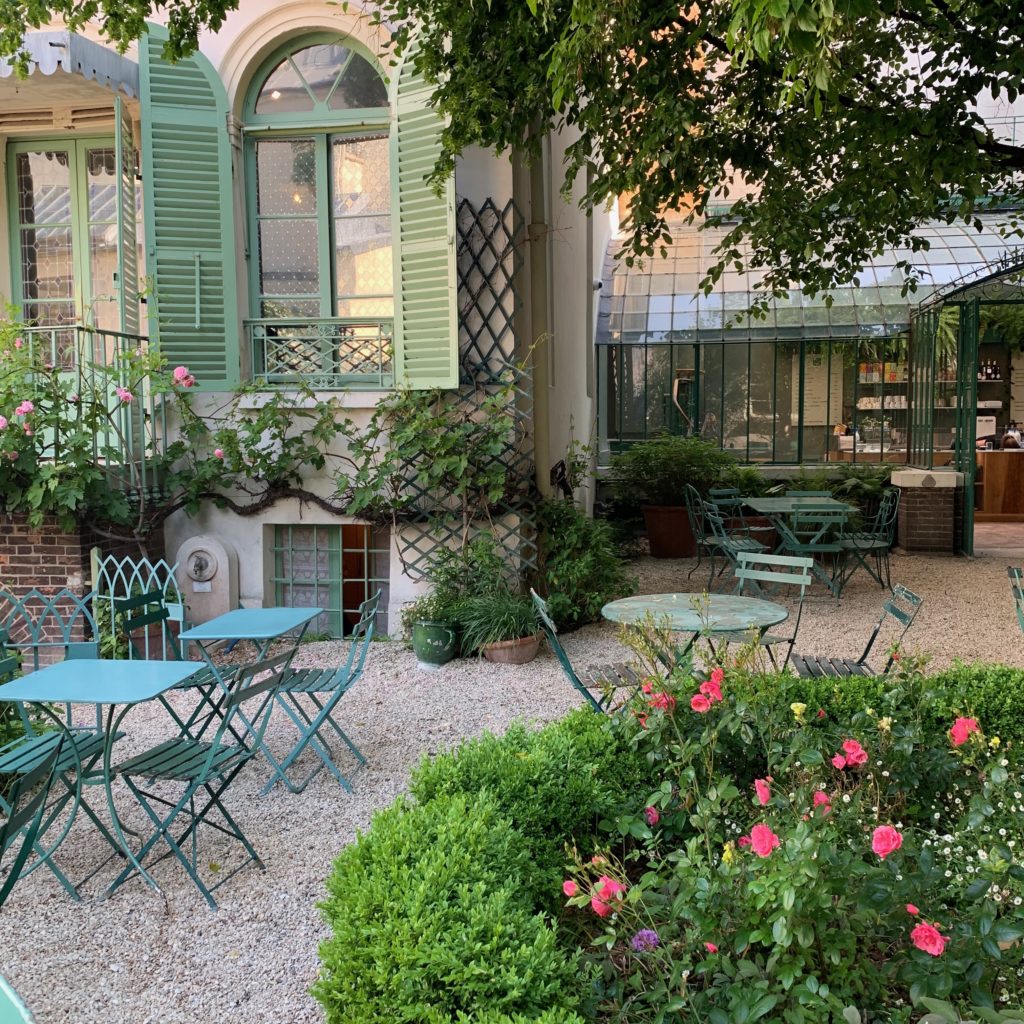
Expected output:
{"points": [[318, 166]]}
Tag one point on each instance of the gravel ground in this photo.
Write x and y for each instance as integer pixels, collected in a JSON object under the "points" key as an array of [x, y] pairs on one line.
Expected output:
{"points": [[144, 957]]}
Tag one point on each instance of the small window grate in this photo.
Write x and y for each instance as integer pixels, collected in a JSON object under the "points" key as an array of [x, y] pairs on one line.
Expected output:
{"points": [[332, 567]]}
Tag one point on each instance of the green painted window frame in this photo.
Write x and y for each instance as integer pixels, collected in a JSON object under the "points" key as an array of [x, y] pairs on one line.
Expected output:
{"points": [[77, 147], [323, 126]]}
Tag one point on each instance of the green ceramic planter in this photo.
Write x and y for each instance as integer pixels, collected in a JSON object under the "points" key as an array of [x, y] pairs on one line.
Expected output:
{"points": [[433, 643]]}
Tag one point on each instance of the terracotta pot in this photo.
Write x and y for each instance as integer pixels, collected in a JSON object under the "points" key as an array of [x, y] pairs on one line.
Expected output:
{"points": [[668, 531], [513, 652]]}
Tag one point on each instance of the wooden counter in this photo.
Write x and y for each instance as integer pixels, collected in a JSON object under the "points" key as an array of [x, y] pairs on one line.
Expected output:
{"points": [[999, 486]]}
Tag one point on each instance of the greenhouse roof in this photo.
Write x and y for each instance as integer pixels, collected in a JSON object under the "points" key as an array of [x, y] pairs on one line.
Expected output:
{"points": [[659, 301]]}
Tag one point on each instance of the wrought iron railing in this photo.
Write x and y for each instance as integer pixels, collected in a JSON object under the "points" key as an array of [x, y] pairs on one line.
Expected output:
{"points": [[329, 354], [135, 434]]}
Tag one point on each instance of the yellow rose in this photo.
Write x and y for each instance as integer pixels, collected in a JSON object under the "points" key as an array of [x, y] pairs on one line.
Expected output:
{"points": [[994, 742], [728, 853], [798, 710]]}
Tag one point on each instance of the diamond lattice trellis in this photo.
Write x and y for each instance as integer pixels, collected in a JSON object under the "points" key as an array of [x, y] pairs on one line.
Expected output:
{"points": [[489, 257]]}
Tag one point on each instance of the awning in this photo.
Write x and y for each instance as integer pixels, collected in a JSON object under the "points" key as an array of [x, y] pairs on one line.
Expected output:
{"points": [[50, 52], [659, 300]]}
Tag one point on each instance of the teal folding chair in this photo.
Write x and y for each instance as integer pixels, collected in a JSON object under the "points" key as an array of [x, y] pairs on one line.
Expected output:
{"points": [[205, 770], [901, 606], [703, 540], [310, 695], [874, 542], [25, 811], [1016, 575], [12, 1009], [727, 544], [817, 533], [606, 678]]}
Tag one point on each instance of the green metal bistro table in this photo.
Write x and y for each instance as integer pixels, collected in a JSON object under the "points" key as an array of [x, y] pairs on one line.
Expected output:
{"points": [[699, 613], [109, 683], [260, 626]]}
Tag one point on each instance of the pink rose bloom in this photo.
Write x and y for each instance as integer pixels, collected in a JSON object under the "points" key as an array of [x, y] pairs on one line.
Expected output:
{"points": [[718, 676], [24, 409], [763, 791], [912, 910], [74, 399], [18, 343], [743, 841], [599, 907], [885, 840], [608, 888], [646, 687], [700, 703], [598, 859], [962, 728], [855, 753], [711, 690], [928, 938], [820, 799], [124, 394], [652, 815], [3, 422], [218, 453], [710, 947], [839, 761], [665, 701], [763, 840], [28, 430], [180, 373], [569, 887], [13, 456]]}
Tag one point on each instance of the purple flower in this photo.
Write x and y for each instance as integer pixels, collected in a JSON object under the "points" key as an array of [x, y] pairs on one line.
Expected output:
{"points": [[645, 940]]}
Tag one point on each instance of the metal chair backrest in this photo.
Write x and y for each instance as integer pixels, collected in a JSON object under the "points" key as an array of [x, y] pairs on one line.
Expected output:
{"points": [[27, 803], [550, 631], [783, 570], [12, 1009], [901, 605], [714, 523], [134, 614], [361, 637], [1016, 575], [727, 499], [883, 526], [695, 512], [47, 628]]}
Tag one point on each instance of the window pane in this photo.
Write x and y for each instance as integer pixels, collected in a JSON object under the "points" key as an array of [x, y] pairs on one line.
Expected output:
{"points": [[360, 86], [44, 187], [288, 257], [320, 66], [283, 92], [286, 177], [102, 184], [359, 172]]}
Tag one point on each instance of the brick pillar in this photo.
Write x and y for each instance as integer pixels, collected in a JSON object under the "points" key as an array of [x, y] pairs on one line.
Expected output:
{"points": [[931, 510]]}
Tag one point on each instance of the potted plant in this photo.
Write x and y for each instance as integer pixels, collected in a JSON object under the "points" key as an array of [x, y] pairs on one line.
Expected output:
{"points": [[656, 472], [432, 624], [502, 626]]}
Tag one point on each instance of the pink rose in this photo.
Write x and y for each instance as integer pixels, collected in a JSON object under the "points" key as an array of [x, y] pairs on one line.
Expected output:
{"points": [[763, 791], [608, 888], [24, 409], [962, 728], [18, 343], [743, 841], [646, 687], [3, 422], [710, 947], [570, 888], [599, 907], [28, 430], [711, 690], [665, 701], [124, 394], [218, 453], [928, 938], [718, 676], [855, 753], [652, 815], [839, 761], [763, 840], [821, 712], [912, 910], [820, 799], [885, 840], [700, 703]]}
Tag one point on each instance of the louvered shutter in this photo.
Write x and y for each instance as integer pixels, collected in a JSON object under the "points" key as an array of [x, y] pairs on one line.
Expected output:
{"points": [[427, 346], [127, 255], [189, 213]]}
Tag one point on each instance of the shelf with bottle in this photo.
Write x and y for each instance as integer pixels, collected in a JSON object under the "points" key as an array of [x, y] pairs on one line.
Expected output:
{"points": [[883, 372]]}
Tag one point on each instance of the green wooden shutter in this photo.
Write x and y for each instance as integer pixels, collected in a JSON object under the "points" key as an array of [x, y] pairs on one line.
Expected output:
{"points": [[427, 343], [127, 256], [189, 213]]}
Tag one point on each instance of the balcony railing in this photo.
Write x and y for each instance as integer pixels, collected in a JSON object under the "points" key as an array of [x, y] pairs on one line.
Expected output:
{"points": [[135, 434], [326, 354]]}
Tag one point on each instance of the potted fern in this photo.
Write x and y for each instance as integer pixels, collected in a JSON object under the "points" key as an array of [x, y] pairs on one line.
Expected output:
{"points": [[502, 626]]}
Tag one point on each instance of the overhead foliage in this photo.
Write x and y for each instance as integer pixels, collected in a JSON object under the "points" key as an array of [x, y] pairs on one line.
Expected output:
{"points": [[121, 21], [833, 128]]}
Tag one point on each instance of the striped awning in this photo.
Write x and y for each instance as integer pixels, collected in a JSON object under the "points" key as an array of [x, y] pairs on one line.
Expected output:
{"points": [[50, 52]]}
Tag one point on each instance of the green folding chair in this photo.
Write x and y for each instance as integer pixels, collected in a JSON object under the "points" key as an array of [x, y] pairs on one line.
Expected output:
{"points": [[1016, 575], [323, 690], [25, 813], [874, 542], [817, 533], [703, 540], [606, 678], [902, 606], [12, 1009], [727, 544], [205, 770]]}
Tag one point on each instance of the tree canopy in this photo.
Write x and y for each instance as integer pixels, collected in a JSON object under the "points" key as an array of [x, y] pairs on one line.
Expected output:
{"points": [[832, 127], [122, 21]]}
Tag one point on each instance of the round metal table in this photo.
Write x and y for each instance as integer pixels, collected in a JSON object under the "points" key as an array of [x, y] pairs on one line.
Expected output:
{"points": [[699, 613]]}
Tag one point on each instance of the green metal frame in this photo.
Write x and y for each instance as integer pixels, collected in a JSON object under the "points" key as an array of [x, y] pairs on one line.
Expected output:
{"points": [[76, 147]]}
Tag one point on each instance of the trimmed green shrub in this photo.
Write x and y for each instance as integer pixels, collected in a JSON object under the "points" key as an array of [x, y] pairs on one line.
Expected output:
{"points": [[432, 923], [553, 785]]}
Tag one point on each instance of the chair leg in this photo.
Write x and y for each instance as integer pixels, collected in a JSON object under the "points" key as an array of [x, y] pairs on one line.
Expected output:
{"points": [[697, 566]]}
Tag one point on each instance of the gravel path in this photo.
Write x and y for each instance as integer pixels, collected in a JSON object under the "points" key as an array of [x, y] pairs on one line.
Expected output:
{"points": [[141, 957]]}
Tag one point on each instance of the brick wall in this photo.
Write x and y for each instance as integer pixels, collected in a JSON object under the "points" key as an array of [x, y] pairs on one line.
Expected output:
{"points": [[927, 519]]}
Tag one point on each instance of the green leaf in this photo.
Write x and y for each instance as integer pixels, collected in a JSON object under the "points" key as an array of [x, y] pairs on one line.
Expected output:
{"points": [[941, 1008]]}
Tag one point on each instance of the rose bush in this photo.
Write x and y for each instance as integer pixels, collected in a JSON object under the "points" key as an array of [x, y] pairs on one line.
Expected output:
{"points": [[792, 866]]}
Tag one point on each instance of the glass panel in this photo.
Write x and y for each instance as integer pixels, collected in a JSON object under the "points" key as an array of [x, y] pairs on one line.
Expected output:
{"points": [[283, 92], [288, 257], [103, 311], [44, 187], [286, 177], [762, 402], [787, 400], [360, 173], [712, 362], [102, 184], [320, 65], [289, 309], [735, 418], [360, 86], [378, 307]]}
